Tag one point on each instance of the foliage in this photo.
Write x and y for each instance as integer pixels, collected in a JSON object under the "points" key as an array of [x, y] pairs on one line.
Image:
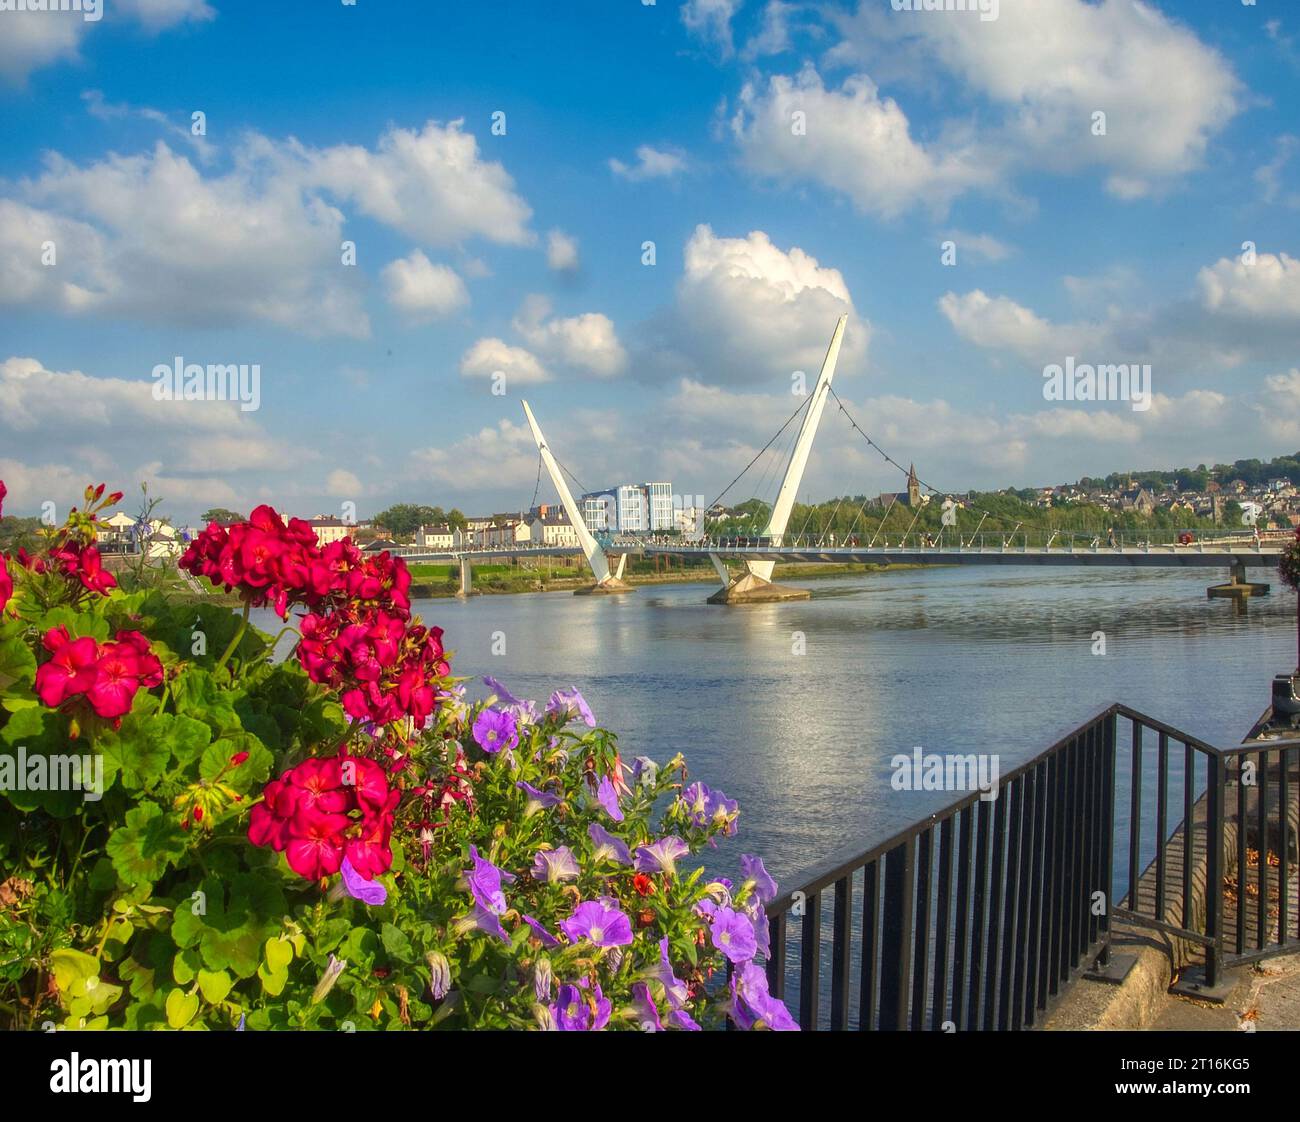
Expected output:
{"points": [[336, 840]]}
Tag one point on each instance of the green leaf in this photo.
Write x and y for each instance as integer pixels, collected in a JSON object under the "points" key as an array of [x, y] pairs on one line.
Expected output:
{"points": [[71, 969], [181, 1007], [279, 953], [150, 842], [17, 663], [396, 943], [214, 985]]}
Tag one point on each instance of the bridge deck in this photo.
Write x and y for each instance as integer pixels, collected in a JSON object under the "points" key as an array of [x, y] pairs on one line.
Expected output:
{"points": [[1202, 555]]}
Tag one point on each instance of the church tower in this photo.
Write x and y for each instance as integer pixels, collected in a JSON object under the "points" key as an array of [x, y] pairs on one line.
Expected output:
{"points": [[913, 488]]}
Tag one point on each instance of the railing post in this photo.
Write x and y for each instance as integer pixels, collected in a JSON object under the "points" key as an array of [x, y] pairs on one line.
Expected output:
{"points": [[1216, 789], [1108, 730]]}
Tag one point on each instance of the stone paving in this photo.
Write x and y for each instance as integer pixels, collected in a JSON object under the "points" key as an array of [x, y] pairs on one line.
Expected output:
{"points": [[1266, 997]]}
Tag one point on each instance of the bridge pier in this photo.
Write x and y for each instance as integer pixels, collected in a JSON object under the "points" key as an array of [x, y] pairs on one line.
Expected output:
{"points": [[466, 578], [752, 589], [1238, 589]]}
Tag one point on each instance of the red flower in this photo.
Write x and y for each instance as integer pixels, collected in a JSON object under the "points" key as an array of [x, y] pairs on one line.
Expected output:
{"points": [[72, 669], [324, 809], [84, 563], [109, 675], [6, 581], [643, 884]]}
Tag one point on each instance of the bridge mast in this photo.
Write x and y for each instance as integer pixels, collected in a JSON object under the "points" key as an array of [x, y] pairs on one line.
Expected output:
{"points": [[605, 581]]}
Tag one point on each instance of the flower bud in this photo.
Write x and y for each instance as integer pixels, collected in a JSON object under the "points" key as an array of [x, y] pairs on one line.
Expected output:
{"points": [[542, 978], [332, 971], [439, 974], [545, 1021], [238, 758]]}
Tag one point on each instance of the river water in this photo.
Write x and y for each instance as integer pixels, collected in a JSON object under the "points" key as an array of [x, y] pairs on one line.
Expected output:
{"points": [[796, 709]]}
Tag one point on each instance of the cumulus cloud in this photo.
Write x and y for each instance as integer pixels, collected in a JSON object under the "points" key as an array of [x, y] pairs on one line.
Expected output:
{"points": [[105, 422], [710, 20], [497, 457], [746, 310], [35, 39], [1049, 65], [854, 141], [651, 163], [421, 290], [432, 185], [491, 356], [1265, 290], [561, 252], [153, 238], [585, 343]]}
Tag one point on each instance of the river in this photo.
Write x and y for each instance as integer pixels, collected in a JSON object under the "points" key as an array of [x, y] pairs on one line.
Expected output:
{"points": [[961, 659]]}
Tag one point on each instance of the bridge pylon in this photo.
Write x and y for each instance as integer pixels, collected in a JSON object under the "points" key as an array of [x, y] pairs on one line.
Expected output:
{"points": [[606, 582], [756, 586]]}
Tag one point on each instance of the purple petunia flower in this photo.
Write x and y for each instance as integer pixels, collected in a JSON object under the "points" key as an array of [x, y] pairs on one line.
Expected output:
{"points": [[548, 940], [732, 933], [599, 922], [644, 770], [763, 884], [367, 891], [608, 847], [555, 866], [537, 799], [524, 712], [494, 730], [661, 857], [706, 806], [608, 798], [752, 1006], [646, 1011], [573, 1011], [673, 985], [485, 883], [481, 919], [683, 1020], [568, 704]]}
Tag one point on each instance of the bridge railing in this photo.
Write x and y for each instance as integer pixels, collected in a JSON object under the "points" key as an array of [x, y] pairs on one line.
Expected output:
{"points": [[980, 915], [1007, 541]]}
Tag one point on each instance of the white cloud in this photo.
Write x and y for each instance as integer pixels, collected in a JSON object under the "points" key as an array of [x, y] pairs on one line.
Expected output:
{"points": [[496, 458], [978, 247], [489, 357], [35, 39], [32, 40], [587, 343], [999, 323], [561, 252], [104, 423], [651, 163], [853, 141], [747, 310], [710, 20], [433, 185], [1279, 413], [1268, 289], [150, 237], [1049, 65], [158, 15], [343, 484], [422, 290]]}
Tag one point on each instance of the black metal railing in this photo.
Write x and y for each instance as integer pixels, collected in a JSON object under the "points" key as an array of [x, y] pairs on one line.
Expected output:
{"points": [[980, 915]]}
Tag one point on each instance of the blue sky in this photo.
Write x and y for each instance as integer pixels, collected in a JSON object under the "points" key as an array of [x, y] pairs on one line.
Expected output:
{"points": [[522, 253]]}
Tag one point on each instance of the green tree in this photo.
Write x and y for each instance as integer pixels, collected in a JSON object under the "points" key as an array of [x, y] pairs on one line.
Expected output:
{"points": [[221, 516], [456, 520], [401, 520]]}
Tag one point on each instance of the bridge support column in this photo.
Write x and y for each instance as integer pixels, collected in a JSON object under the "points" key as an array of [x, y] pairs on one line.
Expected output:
{"points": [[1238, 589], [753, 589], [466, 578]]}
